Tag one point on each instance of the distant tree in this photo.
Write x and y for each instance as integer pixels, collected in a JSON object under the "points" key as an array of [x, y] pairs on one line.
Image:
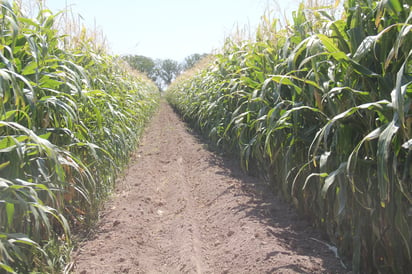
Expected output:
{"points": [[191, 60], [162, 72], [167, 71], [143, 64]]}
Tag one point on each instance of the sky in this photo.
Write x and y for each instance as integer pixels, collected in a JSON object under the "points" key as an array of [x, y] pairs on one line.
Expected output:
{"points": [[169, 29]]}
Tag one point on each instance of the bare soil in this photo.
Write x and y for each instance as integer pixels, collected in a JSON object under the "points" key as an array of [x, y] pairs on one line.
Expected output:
{"points": [[181, 208]]}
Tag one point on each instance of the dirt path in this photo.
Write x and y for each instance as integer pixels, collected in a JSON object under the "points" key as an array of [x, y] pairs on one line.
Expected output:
{"points": [[183, 209]]}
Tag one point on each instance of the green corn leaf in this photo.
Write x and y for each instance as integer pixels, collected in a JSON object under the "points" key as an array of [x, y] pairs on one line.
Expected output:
{"points": [[384, 147], [50, 83], [30, 68], [324, 160], [353, 157], [362, 70], [330, 179], [321, 175], [6, 268], [10, 214], [3, 183], [287, 80], [407, 144], [339, 33], [284, 80], [323, 133], [342, 196], [28, 22], [395, 5], [401, 39], [398, 94], [332, 48], [296, 53], [295, 180], [4, 165], [365, 47], [21, 238], [287, 115]]}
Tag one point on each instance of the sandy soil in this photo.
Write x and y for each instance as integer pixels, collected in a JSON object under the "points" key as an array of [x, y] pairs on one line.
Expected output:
{"points": [[183, 209]]}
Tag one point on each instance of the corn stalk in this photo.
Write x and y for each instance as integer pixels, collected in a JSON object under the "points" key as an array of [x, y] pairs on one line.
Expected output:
{"points": [[322, 109], [70, 117]]}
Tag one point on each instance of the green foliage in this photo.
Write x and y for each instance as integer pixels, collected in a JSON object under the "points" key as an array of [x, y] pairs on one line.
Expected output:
{"points": [[69, 120], [322, 110], [162, 72], [143, 64], [167, 71], [191, 60]]}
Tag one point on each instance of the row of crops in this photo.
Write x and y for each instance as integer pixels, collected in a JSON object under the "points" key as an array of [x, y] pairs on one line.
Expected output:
{"points": [[322, 108], [70, 117]]}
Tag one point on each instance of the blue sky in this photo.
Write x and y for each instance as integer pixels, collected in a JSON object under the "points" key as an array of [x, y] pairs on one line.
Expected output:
{"points": [[169, 28]]}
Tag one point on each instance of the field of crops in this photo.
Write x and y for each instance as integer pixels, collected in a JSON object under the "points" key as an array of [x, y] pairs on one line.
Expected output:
{"points": [[322, 108], [70, 117]]}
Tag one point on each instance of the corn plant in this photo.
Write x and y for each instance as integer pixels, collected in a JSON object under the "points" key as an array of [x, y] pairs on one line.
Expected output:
{"points": [[322, 110], [70, 117]]}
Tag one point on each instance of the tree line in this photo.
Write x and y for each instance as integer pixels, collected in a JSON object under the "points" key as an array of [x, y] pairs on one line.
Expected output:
{"points": [[162, 71]]}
